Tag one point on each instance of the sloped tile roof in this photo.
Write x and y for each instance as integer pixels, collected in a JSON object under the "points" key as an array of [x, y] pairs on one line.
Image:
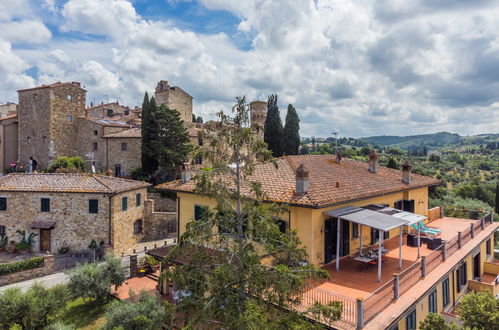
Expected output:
{"points": [[129, 133], [68, 182], [107, 122], [330, 182]]}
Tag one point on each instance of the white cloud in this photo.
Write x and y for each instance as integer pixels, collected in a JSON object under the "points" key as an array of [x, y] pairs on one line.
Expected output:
{"points": [[26, 31], [362, 67], [107, 17]]}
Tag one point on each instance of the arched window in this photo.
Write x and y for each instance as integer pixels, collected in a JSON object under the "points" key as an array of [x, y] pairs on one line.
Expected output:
{"points": [[137, 227]]}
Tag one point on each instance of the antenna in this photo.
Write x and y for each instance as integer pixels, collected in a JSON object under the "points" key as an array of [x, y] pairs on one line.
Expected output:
{"points": [[335, 133]]}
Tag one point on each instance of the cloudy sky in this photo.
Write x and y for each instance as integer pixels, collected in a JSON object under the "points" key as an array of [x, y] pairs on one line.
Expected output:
{"points": [[363, 67]]}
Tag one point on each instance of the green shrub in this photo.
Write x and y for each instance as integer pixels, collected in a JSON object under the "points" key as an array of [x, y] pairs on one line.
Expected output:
{"points": [[21, 265], [23, 246], [146, 313], [94, 280], [151, 260], [31, 310], [71, 164], [60, 326]]}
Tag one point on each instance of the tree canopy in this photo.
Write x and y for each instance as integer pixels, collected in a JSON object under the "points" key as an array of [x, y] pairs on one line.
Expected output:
{"points": [[291, 135], [149, 134], [233, 286], [273, 130], [172, 145]]}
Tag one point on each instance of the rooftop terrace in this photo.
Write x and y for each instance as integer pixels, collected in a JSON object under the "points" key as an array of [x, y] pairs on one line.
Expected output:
{"points": [[354, 281]]}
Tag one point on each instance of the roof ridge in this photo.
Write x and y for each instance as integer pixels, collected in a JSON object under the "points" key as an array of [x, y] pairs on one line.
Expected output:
{"points": [[96, 177]]}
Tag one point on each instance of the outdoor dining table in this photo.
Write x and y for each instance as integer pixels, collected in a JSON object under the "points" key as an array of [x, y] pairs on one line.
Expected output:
{"points": [[363, 261]]}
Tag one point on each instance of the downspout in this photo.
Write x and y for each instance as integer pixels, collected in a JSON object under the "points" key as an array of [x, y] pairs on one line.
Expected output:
{"points": [[107, 155], [178, 219], [110, 219]]}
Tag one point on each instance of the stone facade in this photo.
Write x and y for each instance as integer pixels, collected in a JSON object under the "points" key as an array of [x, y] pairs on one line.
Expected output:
{"points": [[159, 224], [123, 153], [72, 223], [8, 141], [124, 236], [176, 98], [8, 109], [258, 112], [94, 148], [111, 111], [75, 227], [47, 121]]}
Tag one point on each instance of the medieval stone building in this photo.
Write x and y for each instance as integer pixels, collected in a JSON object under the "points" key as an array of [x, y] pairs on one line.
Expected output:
{"points": [[176, 98]]}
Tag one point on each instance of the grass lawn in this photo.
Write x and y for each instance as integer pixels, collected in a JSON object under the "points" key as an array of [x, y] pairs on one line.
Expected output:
{"points": [[84, 314]]}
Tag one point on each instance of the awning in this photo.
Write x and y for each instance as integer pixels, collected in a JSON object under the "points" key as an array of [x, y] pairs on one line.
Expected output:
{"points": [[43, 224], [374, 219], [411, 218]]}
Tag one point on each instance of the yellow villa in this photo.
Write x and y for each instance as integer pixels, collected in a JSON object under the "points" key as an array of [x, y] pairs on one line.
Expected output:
{"points": [[392, 260]]}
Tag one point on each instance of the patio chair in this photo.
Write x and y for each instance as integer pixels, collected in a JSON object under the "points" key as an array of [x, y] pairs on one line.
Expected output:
{"points": [[438, 231], [425, 230]]}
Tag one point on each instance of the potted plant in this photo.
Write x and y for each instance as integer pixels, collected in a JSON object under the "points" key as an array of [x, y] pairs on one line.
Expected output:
{"points": [[152, 262], [26, 241], [12, 247], [23, 247], [3, 242]]}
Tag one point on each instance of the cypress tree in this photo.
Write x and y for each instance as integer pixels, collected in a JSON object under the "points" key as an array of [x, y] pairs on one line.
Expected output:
{"points": [[497, 197], [291, 135], [171, 144], [149, 135], [273, 127], [144, 130]]}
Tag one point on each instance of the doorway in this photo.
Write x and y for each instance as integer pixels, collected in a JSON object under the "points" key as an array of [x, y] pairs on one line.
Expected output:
{"points": [[117, 170], [476, 267], [44, 240], [330, 239]]}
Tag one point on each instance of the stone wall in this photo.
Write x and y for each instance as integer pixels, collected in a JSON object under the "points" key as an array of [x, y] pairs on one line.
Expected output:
{"points": [[34, 125], [163, 204], [66, 100], [47, 268], [75, 226], [175, 98], [159, 225], [124, 239], [47, 122], [128, 159], [87, 137]]}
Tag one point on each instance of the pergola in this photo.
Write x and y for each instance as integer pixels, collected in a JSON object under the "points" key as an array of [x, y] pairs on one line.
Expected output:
{"points": [[382, 218]]}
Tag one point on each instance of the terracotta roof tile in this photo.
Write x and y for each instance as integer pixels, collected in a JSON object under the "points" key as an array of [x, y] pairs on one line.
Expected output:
{"points": [[107, 122], [68, 182], [330, 182], [56, 84], [129, 133]]}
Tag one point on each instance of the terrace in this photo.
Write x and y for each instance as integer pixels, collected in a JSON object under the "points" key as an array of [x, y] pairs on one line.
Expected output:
{"points": [[364, 293]]}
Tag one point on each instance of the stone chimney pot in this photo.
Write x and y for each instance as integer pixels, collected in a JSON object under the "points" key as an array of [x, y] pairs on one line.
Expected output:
{"points": [[373, 162], [406, 173], [185, 174], [302, 180]]}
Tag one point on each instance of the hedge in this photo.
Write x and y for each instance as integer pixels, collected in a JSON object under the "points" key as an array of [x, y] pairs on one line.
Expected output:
{"points": [[21, 265]]}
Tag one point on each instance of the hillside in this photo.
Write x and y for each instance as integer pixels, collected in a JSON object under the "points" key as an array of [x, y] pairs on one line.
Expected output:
{"points": [[434, 140]]}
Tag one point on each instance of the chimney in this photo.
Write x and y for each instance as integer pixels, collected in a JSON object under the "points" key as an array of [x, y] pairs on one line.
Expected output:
{"points": [[373, 162], [406, 173], [76, 83], [338, 157], [185, 174], [302, 182]]}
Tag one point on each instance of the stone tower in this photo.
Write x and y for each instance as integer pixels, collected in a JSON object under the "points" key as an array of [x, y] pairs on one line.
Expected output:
{"points": [[258, 112], [47, 121], [176, 98]]}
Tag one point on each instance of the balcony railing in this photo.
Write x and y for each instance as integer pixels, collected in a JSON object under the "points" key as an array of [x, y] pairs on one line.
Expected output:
{"points": [[363, 310]]}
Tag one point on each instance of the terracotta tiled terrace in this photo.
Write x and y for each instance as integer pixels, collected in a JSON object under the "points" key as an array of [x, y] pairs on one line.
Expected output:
{"points": [[354, 281]]}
